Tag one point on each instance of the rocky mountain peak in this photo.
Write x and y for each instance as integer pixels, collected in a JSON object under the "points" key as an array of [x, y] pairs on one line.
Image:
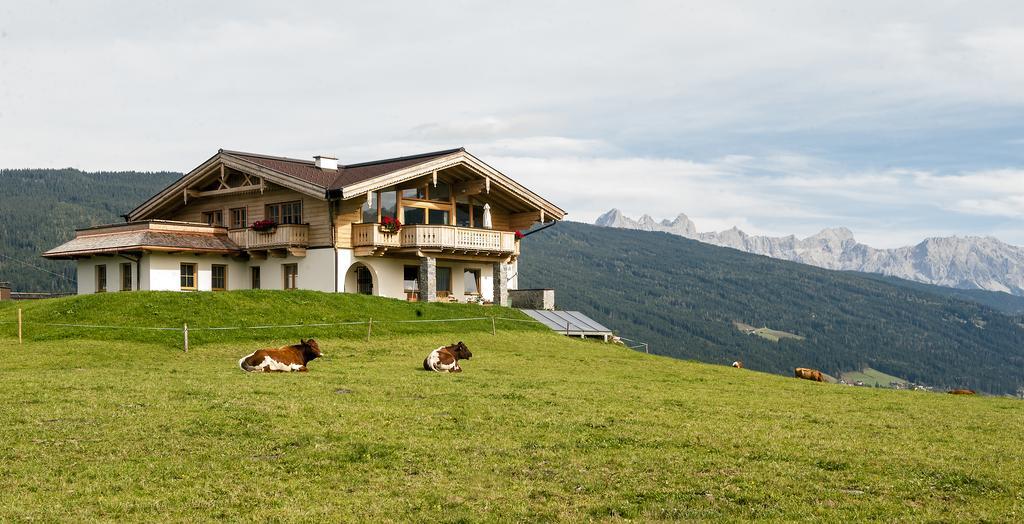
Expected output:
{"points": [[959, 262]]}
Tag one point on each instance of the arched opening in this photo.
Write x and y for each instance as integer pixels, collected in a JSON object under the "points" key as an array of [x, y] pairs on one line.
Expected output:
{"points": [[361, 279]]}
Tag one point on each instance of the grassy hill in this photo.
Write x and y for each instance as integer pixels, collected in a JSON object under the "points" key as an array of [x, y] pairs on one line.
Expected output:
{"points": [[683, 296], [219, 317], [871, 377], [539, 427], [41, 208]]}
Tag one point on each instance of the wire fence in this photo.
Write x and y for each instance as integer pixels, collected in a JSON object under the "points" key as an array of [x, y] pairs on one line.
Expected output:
{"points": [[369, 323], [185, 329]]}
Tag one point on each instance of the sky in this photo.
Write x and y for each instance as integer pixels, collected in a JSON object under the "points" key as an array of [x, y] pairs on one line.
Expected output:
{"points": [[899, 120]]}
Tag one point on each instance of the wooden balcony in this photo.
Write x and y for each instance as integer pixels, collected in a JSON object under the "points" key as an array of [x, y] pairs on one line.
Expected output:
{"points": [[284, 239], [369, 239]]}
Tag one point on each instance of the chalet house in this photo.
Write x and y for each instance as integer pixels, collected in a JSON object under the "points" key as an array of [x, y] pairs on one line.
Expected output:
{"points": [[435, 226]]}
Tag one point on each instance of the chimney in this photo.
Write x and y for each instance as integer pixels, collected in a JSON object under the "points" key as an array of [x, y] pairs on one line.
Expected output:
{"points": [[326, 162]]}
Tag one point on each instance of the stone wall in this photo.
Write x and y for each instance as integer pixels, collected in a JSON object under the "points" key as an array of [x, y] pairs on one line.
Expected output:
{"points": [[532, 298]]}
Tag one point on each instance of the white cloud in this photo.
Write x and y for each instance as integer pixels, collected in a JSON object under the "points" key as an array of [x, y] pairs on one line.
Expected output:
{"points": [[656, 107]]}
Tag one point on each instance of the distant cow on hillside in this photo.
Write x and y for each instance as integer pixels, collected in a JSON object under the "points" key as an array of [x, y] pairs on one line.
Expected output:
{"points": [[809, 374], [446, 358], [962, 392], [286, 358], [738, 364]]}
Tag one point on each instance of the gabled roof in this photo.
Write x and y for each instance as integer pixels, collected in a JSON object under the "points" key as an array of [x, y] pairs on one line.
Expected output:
{"points": [[345, 175], [348, 181]]}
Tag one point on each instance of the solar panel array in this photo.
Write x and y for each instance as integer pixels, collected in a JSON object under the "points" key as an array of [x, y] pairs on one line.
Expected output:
{"points": [[577, 322]]}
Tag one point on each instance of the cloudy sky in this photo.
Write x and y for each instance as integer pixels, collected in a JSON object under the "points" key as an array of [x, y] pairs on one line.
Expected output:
{"points": [[900, 120]]}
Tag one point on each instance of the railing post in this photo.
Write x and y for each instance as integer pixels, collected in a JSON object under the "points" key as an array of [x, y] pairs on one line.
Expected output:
{"points": [[19, 325], [493, 332], [369, 329], [185, 333]]}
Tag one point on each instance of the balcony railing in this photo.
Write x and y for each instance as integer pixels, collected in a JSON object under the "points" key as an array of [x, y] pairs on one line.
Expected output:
{"points": [[283, 236], [440, 238]]}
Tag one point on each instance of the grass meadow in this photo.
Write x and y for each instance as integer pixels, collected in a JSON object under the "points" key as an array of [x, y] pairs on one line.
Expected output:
{"points": [[538, 427]]}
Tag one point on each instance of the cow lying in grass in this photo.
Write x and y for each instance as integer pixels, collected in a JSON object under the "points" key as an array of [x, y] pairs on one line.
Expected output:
{"points": [[961, 392], [287, 358], [809, 374], [446, 359]]}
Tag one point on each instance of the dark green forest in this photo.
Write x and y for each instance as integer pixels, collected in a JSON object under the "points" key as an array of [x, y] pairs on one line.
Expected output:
{"points": [[681, 297], [40, 209]]}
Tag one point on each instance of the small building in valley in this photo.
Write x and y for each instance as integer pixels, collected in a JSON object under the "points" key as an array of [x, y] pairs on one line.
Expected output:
{"points": [[429, 227]]}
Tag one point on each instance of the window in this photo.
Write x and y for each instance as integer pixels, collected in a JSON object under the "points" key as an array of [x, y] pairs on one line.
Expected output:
{"points": [[214, 218], [219, 277], [440, 193], [419, 193], [126, 277], [291, 276], [438, 216], [254, 273], [101, 278], [188, 276], [411, 280], [444, 281], [285, 212], [239, 218], [369, 209], [471, 281], [462, 215], [389, 204], [478, 216], [364, 281], [414, 215]]}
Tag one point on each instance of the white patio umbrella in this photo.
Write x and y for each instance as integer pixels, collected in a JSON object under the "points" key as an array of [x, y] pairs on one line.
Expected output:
{"points": [[487, 217]]}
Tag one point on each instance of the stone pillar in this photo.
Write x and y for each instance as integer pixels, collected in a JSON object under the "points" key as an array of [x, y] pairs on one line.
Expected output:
{"points": [[428, 279], [501, 283]]}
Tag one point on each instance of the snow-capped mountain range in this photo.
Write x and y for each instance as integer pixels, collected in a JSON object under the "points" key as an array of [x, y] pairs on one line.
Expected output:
{"points": [[958, 262]]}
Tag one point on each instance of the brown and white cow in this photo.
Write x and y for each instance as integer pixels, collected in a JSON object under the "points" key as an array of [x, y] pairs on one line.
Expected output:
{"points": [[446, 358], [962, 392], [809, 374], [738, 364], [285, 358]]}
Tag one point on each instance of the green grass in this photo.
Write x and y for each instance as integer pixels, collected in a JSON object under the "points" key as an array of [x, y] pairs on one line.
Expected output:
{"points": [[240, 308], [773, 335], [871, 377], [538, 427]]}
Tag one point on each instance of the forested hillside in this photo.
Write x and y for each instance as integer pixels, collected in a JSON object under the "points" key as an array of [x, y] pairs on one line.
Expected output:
{"points": [[40, 208], [682, 297]]}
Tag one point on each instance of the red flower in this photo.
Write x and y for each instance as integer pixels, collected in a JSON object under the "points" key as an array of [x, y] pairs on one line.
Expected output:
{"points": [[519, 234], [391, 224], [263, 225]]}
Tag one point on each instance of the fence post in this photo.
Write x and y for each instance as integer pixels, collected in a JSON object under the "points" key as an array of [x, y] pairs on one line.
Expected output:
{"points": [[369, 329], [647, 349], [19, 325], [493, 331], [567, 328], [185, 332]]}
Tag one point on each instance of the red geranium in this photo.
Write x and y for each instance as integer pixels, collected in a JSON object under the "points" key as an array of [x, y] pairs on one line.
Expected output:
{"points": [[391, 224], [519, 234], [264, 225]]}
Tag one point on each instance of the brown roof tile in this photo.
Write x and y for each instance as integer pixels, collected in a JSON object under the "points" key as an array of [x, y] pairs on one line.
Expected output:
{"points": [[307, 171], [136, 239]]}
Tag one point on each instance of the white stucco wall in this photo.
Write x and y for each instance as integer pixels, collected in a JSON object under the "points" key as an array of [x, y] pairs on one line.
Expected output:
{"points": [[389, 272], [316, 270], [86, 273], [162, 272]]}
